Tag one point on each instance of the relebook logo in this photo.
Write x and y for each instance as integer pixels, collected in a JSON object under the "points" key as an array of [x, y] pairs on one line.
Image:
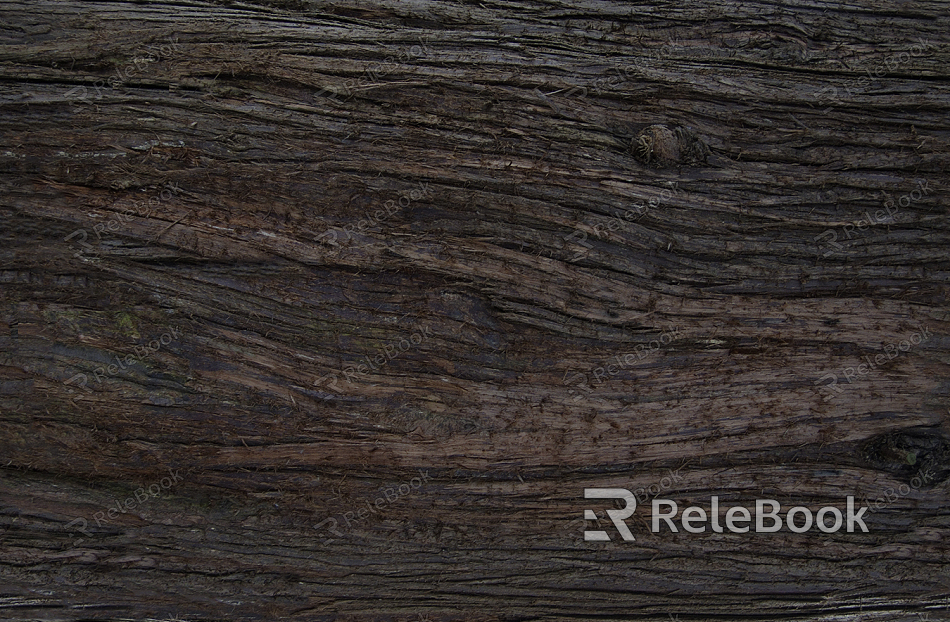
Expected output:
{"points": [[694, 518]]}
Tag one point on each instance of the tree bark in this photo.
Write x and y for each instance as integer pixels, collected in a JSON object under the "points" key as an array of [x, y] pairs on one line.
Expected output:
{"points": [[334, 310]]}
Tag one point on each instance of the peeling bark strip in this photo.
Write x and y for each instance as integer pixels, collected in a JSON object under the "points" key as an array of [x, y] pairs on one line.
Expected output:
{"points": [[141, 354], [891, 63], [603, 229], [126, 73], [377, 218], [890, 352], [113, 224], [372, 75], [389, 496], [830, 236], [534, 189], [600, 374], [354, 374], [140, 496]]}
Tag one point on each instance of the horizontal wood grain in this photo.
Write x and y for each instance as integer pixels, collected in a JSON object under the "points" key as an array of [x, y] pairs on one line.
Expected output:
{"points": [[289, 192]]}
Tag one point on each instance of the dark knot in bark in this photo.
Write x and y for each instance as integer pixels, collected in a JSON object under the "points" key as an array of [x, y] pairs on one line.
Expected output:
{"points": [[661, 146]]}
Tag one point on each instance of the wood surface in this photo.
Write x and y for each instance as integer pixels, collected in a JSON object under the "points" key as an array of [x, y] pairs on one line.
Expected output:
{"points": [[285, 191]]}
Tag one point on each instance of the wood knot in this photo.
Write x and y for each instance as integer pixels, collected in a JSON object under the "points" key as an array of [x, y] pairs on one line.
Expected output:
{"points": [[920, 455], [661, 146]]}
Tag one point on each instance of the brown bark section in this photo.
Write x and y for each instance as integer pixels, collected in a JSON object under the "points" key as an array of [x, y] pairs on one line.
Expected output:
{"points": [[332, 180]]}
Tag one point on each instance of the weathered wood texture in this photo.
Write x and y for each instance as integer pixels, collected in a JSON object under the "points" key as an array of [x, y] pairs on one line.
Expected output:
{"points": [[509, 140]]}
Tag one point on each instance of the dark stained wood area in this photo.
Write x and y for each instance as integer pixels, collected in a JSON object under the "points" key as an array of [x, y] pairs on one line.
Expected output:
{"points": [[332, 310]]}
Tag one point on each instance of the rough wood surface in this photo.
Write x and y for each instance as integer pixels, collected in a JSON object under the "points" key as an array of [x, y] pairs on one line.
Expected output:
{"points": [[330, 180]]}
